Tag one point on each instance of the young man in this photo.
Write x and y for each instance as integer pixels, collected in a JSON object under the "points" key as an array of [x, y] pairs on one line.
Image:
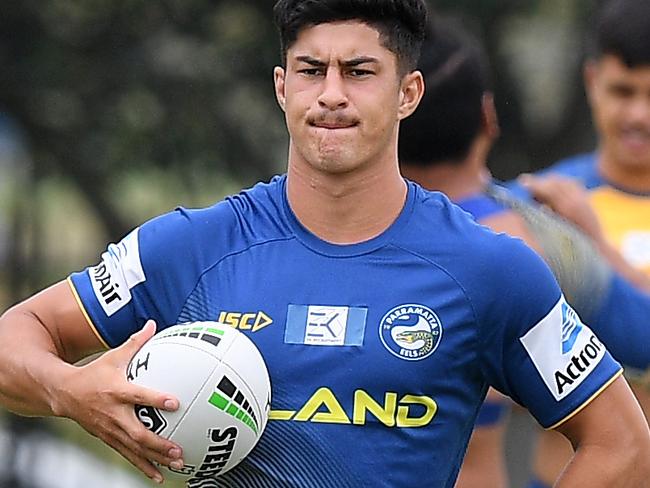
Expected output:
{"points": [[444, 146], [617, 174], [431, 307]]}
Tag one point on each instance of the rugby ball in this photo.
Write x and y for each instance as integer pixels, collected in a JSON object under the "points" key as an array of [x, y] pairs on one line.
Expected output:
{"points": [[223, 386]]}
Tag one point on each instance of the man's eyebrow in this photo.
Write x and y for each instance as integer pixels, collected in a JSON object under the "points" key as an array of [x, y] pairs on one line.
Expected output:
{"points": [[348, 63], [360, 60], [310, 61]]}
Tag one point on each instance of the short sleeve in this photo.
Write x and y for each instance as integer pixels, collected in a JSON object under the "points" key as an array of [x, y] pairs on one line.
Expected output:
{"points": [[147, 275], [535, 348]]}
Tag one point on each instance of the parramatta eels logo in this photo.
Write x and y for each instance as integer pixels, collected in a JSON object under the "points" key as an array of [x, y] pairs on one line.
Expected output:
{"points": [[410, 331]]}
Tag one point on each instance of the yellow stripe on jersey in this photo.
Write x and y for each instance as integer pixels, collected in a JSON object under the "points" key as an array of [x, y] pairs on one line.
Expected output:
{"points": [[587, 402], [625, 219], [85, 314]]}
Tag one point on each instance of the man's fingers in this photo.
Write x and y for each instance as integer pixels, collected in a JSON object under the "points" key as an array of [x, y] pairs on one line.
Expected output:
{"points": [[561, 194], [148, 445], [146, 439], [545, 190], [139, 395], [127, 350], [524, 179], [535, 185], [138, 339], [136, 460]]}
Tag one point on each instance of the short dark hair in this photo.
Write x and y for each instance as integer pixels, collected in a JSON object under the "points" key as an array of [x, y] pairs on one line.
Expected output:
{"points": [[400, 23], [622, 29], [449, 117]]}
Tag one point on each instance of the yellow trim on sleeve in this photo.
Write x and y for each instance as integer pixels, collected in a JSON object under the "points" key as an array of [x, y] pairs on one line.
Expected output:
{"points": [[83, 311], [587, 402]]}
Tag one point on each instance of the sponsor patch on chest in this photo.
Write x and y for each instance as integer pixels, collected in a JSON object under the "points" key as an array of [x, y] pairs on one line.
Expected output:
{"points": [[325, 325]]}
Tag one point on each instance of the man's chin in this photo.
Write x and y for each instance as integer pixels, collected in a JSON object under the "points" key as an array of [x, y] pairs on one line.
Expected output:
{"points": [[634, 163], [335, 162], [635, 157]]}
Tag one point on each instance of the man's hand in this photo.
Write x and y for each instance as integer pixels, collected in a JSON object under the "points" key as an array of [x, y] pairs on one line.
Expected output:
{"points": [[99, 398], [567, 198]]}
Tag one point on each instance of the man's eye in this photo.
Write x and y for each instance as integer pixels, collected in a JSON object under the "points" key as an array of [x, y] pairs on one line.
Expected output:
{"points": [[621, 91], [360, 72], [310, 71]]}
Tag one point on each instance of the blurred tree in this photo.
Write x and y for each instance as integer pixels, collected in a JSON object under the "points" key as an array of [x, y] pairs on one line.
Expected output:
{"points": [[104, 86], [535, 50]]}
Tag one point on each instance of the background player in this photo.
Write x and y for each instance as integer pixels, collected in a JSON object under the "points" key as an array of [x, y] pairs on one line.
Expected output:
{"points": [[617, 175], [444, 146], [340, 236]]}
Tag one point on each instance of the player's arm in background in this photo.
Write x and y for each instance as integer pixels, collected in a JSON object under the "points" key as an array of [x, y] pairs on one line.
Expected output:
{"points": [[40, 339], [568, 198]]}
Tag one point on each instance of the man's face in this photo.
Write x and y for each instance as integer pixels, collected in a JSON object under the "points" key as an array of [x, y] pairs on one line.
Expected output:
{"points": [[343, 97], [620, 101]]}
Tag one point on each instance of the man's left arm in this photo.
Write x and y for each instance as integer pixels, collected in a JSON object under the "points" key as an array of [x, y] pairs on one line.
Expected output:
{"points": [[611, 440], [547, 359]]}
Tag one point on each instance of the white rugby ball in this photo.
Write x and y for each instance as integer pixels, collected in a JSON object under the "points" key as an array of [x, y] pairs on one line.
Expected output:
{"points": [[223, 386]]}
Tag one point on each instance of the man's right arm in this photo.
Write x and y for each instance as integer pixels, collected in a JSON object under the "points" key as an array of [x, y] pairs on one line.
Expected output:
{"points": [[40, 339]]}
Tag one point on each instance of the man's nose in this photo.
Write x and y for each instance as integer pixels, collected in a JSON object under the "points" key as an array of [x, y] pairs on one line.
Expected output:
{"points": [[638, 110], [333, 95]]}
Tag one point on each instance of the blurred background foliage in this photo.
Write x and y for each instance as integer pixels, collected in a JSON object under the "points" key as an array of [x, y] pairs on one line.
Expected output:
{"points": [[113, 111]]}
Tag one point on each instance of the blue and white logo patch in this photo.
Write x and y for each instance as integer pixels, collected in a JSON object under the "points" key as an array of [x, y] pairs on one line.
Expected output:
{"points": [[325, 325], [411, 332], [118, 272], [563, 349], [571, 327]]}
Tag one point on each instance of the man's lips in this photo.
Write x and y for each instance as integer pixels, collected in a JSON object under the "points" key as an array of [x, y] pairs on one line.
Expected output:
{"points": [[636, 134], [333, 125], [635, 138]]}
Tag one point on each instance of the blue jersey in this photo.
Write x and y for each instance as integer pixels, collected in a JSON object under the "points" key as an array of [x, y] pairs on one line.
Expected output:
{"points": [[380, 353]]}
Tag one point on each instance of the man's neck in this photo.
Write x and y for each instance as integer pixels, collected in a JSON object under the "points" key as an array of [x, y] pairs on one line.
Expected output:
{"points": [[346, 208], [627, 177], [456, 180]]}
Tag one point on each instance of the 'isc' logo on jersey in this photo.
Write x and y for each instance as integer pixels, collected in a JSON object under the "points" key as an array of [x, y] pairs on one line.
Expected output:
{"points": [[245, 321], [410, 332]]}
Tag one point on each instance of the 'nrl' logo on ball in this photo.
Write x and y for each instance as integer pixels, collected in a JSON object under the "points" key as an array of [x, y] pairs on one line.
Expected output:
{"points": [[410, 331]]}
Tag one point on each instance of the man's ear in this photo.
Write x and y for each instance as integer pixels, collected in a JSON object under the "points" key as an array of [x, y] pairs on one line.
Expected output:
{"points": [[411, 92], [278, 82], [589, 72], [489, 118]]}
